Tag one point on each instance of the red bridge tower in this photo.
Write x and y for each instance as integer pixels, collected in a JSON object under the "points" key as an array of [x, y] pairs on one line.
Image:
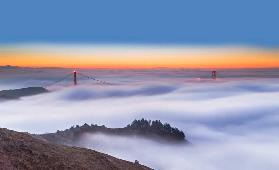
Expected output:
{"points": [[75, 78], [214, 74]]}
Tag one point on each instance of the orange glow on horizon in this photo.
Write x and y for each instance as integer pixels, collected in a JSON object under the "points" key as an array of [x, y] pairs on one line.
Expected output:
{"points": [[144, 60]]}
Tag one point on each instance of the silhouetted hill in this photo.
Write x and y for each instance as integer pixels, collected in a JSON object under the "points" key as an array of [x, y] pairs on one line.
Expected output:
{"points": [[24, 152], [17, 93], [145, 128], [9, 67]]}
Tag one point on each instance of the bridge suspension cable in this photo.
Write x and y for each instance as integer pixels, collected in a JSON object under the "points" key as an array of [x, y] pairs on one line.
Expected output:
{"points": [[59, 80], [95, 79], [74, 74]]}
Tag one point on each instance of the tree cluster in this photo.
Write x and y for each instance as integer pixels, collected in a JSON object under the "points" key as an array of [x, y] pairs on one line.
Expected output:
{"points": [[157, 127]]}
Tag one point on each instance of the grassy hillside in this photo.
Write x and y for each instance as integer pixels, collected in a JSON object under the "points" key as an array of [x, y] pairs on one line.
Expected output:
{"points": [[23, 151]]}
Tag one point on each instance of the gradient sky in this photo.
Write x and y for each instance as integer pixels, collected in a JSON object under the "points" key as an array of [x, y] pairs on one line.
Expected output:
{"points": [[136, 56], [249, 24]]}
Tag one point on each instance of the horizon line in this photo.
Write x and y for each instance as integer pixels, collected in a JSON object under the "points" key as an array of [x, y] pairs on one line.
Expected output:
{"points": [[137, 68]]}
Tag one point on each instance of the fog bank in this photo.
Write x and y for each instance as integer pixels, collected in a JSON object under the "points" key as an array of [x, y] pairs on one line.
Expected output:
{"points": [[232, 122]]}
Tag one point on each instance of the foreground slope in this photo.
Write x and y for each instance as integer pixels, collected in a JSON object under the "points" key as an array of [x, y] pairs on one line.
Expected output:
{"points": [[22, 151]]}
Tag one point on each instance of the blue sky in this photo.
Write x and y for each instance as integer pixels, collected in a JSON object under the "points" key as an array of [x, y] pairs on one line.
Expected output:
{"points": [[208, 22]]}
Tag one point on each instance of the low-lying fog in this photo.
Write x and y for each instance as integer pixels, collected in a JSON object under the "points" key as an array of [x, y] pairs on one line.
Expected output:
{"points": [[232, 123]]}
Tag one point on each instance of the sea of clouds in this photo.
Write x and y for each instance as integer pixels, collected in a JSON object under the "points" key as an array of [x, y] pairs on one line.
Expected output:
{"points": [[231, 123]]}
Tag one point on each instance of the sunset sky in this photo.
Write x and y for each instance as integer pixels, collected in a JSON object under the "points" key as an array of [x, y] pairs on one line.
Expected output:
{"points": [[140, 34], [127, 56]]}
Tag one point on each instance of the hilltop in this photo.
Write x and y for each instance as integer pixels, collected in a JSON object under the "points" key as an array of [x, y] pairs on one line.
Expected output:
{"points": [[23, 151], [154, 130], [9, 67], [17, 93]]}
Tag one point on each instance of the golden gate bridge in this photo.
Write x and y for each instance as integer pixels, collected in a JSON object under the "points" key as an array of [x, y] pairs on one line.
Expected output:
{"points": [[75, 75]]}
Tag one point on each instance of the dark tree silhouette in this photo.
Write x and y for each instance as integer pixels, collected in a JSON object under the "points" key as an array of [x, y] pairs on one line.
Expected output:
{"points": [[156, 127], [153, 129]]}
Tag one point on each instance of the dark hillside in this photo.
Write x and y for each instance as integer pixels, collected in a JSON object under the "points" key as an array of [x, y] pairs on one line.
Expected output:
{"points": [[153, 130], [17, 93], [23, 151]]}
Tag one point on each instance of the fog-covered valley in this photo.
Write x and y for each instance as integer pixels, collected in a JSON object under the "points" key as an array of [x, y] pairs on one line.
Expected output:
{"points": [[231, 122]]}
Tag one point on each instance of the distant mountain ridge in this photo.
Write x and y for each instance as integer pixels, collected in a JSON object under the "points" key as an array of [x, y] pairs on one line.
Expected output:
{"points": [[17, 93], [154, 130], [9, 67]]}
